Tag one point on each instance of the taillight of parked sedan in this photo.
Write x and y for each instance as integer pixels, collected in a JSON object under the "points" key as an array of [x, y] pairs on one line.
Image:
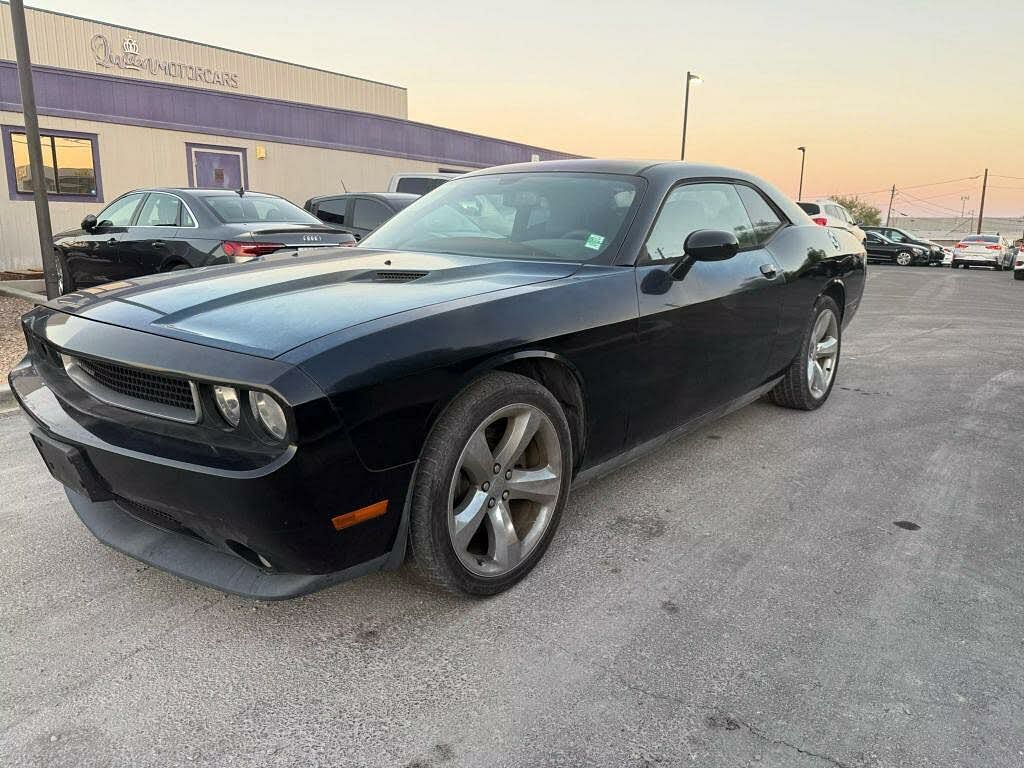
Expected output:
{"points": [[820, 221], [994, 247], [245, 251]]}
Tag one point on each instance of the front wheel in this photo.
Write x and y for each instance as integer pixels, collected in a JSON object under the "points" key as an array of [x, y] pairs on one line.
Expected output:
{"points": [[904, 258], [65, 283], [808, 381], [490, 486]]}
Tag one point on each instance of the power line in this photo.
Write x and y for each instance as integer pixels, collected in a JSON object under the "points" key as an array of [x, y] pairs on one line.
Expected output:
{"points": [[911, 186], [921, 201]]}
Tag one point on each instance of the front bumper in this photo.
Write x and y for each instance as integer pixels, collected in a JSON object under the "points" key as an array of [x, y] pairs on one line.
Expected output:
{"points": [[261, 529]]}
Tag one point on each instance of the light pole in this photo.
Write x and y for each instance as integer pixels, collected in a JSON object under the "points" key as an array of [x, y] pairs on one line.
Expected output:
{"points": [[963, 204], [803, 158], [690, 77]]}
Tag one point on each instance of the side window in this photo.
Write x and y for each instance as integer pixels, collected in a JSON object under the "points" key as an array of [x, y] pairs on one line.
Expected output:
{"points": [[332, 210], [369, 214], [159, 210], [896, 237], [119, 213], [762, 216], [186, 217], [697, 206]]}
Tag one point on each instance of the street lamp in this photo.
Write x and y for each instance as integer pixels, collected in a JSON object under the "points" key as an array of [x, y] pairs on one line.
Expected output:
{"points": [[803, 158], [690, 77], [963, 204]]}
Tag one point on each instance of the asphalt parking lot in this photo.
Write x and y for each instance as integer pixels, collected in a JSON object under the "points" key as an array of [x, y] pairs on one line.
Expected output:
{"points": [[741, 597]]}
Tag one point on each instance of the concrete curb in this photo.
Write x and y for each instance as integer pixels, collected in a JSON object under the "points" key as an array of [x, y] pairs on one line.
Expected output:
{"points": [[7, 289]]}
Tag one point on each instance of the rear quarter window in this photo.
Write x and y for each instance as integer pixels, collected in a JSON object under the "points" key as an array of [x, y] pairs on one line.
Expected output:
{"points": [[811, 209]]}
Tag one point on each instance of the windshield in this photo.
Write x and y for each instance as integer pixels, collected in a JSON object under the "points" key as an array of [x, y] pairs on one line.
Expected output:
{"points": [[559, 216], [251, 209]]}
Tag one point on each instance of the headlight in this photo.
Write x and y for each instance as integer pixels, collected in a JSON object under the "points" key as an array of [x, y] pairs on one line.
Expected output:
{"points": [[269, 414], [228, 404]]}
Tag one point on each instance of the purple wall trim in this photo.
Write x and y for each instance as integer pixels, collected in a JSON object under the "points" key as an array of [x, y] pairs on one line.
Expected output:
{"points": [[12, 181], [92, 96], [189, 146]]}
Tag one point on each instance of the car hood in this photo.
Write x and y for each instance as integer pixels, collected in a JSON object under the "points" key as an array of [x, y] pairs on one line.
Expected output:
{"points": [[271, 305]]}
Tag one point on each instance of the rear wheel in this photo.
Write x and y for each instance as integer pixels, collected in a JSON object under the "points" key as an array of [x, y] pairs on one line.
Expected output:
{"points": [[808, 381], [1018, 274], [490, 486]]}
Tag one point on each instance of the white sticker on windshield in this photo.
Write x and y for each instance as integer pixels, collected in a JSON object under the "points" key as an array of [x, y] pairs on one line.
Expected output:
{"points": [[594, 242]]}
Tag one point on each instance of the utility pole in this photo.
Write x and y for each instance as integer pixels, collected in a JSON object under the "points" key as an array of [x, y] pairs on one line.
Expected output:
{"points": [[891, 198], [35, 150], [981, 206], [963, 204]]}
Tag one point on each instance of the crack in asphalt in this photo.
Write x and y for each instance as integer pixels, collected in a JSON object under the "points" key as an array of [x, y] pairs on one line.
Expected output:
{"points": [[723, 719]]}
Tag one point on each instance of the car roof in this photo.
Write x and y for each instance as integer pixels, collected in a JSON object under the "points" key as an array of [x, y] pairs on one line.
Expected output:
{"points": [[395, 197], [646, 168], [204, 191]]}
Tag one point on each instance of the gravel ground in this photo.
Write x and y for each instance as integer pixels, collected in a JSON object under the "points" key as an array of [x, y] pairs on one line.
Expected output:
{"points": [[12, 341], [740, 598]]}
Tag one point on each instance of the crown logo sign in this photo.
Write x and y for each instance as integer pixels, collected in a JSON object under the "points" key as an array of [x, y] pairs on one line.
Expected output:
{"points": [[130, 46]]}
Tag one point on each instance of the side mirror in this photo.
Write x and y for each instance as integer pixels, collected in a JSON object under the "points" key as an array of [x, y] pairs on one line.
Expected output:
{"points": [[89, 223], [711, 245]]}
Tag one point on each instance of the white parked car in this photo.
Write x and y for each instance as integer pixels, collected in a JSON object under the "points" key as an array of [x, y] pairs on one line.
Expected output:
{"points": [[981, 251], [417, 183], [829, 213], [1018, 265]]}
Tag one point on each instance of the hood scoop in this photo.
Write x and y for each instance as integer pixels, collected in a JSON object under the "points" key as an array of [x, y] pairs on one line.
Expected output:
{"points": [[396, 276]]}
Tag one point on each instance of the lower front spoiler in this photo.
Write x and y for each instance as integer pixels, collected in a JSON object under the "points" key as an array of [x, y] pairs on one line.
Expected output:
{"points": [[191, 558]]}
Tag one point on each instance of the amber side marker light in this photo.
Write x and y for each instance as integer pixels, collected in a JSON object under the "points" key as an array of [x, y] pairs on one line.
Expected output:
{"points": [[341, 522]]}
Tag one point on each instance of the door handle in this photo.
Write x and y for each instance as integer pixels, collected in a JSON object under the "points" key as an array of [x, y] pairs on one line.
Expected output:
{"points": [[159, 244], [768, 270], [112, 240]]}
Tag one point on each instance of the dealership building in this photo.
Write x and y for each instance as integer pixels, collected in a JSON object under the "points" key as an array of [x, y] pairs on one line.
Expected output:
{"points": [[121, 109]]}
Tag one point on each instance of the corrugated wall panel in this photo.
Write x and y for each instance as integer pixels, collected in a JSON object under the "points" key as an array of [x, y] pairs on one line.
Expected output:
{"points": [[65, 41]]}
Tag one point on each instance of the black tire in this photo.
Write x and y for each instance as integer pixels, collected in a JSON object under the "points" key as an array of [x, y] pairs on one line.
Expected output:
{"points": [[999, 267], [1018, 274], [794, 391], [432, 554], [66, 283], [179, 267]]}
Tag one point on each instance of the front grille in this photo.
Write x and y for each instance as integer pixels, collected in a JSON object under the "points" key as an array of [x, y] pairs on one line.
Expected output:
{"points": [[142, 385], [154, 516]]}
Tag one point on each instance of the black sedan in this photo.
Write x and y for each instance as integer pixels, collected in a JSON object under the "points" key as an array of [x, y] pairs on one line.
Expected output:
{"points": [[881, 248], [359, 214], [162, 230], [271, 428]]}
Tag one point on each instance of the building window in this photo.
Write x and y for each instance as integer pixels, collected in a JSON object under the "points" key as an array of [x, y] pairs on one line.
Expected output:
{"points": [[71, 167]]}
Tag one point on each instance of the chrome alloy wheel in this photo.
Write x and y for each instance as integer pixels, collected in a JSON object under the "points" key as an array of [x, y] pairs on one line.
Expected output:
{"points": [[904, 259], [823, 353], [505, 489], [60, 276]]}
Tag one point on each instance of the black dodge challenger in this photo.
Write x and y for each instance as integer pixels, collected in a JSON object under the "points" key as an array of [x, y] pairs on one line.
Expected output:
{"points": [[273, 427]]}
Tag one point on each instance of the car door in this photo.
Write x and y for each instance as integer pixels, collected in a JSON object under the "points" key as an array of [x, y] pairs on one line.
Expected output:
{"points": [[153, 242], [95, 256], [879, 248], [367, 214], [705, 334]]}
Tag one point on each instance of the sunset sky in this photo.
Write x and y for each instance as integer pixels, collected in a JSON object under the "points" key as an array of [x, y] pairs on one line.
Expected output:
{"points": [[881, 93]]}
